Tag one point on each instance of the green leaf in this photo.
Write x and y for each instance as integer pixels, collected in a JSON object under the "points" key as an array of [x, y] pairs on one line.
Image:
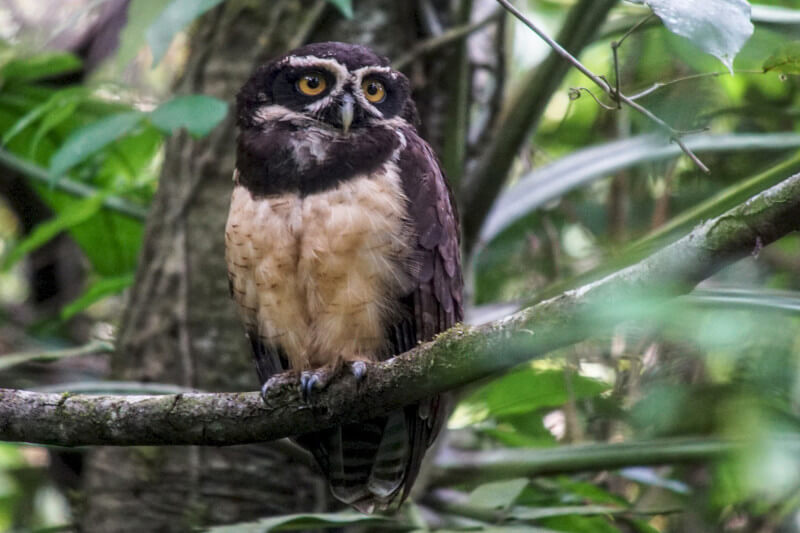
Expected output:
{"points": [[198, 113], [175, 17], [92, 138], [345, 6], [499, 494], [303, 521], [39, 66], [718, 27], [527, 390], [785, 60], [77, 213], [97, 291], [52, 112], [537, 513]]}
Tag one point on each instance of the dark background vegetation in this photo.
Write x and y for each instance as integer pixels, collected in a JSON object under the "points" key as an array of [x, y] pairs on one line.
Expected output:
{"points": [[115, 168]]}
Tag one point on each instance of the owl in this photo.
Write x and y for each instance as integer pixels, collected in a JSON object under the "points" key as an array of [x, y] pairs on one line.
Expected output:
{"points": [[342, 249]]}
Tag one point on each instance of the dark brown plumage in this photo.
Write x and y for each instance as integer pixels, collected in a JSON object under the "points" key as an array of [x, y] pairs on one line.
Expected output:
{"points": [[342, 248]]}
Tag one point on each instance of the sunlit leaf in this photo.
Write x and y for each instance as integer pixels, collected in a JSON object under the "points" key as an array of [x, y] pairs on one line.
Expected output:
{"points": [[91, 139], [40, 66], [176, 16], [96, 292], [198, 113], [718, 27], [78, 212], [345, 6], [303, 521], [498, 495], [785, 60]]}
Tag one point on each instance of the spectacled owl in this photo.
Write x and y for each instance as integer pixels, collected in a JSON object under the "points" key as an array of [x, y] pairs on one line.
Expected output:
{"points": [[342, 248]]}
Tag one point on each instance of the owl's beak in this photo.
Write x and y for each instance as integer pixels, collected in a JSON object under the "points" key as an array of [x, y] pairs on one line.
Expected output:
{"points": [[347, 112]]}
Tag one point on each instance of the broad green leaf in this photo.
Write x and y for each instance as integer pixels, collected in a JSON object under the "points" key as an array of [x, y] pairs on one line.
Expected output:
{"points": [[718, 27], [95, 292], [785, 60], [39, 66], [303, 521], [91, 139], [141, 14], [176, 16], [77, 213], [198, 113], [345, 6], [499, 494], [527, 390]]}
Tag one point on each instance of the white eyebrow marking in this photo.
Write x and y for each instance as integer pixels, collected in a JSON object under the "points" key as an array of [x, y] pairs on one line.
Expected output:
{"points": [[339, 71]]}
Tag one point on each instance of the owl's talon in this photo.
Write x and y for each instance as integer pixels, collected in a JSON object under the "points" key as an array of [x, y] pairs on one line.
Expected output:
{"points": [[311, 381], [359, 370]]}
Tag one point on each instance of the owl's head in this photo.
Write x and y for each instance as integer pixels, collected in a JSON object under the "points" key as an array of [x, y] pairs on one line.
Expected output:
{"points": [[340, 87]]}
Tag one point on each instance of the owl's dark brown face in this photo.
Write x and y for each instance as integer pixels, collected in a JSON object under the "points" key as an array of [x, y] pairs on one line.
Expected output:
{"points": [[339, 86]]}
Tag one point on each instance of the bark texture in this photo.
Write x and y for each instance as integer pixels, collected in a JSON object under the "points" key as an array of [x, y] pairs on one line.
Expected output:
{"points": [[180, 326]]}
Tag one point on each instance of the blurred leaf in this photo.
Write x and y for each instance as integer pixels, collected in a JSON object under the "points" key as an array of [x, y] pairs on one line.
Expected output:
{"points": [[52, 112], [95, 292], [198, 113], [92, 138], [718, 27], [580, 524], [497, 495], [649, 476], [735, 297], [584, 166], [176, 16], [785, 60], [527, 390], [141, 14], [529, 513], [304, 521], [78, 212], [345, 6], [40, 66]]}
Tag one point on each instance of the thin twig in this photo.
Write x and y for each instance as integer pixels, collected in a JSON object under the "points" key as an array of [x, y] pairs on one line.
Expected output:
{"points": [[662, 84], [75, 188], [440, 41], [600, 82], [91, 348]]}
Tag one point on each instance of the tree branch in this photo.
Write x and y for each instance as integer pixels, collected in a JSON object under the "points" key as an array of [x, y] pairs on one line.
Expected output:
{"points": [[455, 358]]}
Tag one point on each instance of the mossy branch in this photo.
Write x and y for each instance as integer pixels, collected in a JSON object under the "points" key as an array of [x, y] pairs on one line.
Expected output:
{"points": [[455, 358]]}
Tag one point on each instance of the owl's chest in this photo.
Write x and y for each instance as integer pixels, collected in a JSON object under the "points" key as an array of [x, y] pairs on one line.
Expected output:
{"points": [[316, 275]]}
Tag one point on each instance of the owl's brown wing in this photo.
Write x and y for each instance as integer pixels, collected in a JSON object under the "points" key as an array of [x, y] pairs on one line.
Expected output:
{"points": [[435, 301]]}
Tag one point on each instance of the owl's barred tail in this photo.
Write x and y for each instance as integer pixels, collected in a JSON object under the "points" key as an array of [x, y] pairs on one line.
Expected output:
{"points": [[366, 463]]}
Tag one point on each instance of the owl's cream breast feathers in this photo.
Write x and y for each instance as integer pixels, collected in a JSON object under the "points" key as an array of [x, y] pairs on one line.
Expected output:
{"points": [[316, 275]]}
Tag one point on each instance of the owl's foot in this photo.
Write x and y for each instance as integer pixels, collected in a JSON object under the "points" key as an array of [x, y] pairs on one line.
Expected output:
{"points": [[268, 385]]}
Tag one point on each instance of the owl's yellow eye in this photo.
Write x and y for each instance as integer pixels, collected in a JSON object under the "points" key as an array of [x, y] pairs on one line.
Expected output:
{"points": [[312, 84], [374, 90]]}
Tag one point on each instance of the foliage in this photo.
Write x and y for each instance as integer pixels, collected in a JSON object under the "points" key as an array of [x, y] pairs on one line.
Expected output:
{"points": [[592, 191]]}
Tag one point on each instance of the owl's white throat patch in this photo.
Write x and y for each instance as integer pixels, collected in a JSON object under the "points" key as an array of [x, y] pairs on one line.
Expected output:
{"points": [[317, 275]]}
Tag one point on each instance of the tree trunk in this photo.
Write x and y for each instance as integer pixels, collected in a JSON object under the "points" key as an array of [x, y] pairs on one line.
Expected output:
{"points": [[180, 326]]}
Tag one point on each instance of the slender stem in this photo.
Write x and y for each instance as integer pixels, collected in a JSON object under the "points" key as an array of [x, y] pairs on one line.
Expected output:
{"points": [[445, 39], [75, 188], [454, 467], [91, 348], [600, 82]]}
